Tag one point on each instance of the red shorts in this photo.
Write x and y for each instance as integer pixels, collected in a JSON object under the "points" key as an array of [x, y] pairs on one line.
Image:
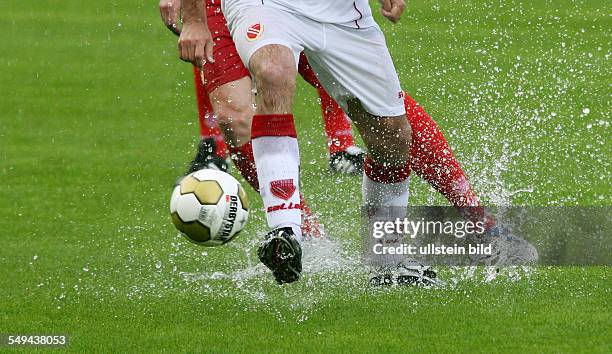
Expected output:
{"points": [[227, 66]]}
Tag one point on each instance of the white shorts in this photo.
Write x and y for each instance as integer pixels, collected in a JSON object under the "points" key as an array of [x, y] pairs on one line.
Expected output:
{"points": [[350, 63]]}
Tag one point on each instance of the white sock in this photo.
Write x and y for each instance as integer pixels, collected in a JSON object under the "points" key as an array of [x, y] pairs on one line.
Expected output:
{"points": [[385, 194], [387, 200], [278, 166]]}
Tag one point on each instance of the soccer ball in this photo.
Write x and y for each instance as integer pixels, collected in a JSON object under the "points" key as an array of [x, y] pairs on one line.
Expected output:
{"points": [[209, 207]]}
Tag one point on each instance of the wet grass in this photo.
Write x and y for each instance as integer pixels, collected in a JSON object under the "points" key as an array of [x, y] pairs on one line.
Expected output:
{"points": [[98, 118]]}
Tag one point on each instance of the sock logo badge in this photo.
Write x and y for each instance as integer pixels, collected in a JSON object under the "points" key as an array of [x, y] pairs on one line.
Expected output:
{"points": [[254, 31], [283, 189]]}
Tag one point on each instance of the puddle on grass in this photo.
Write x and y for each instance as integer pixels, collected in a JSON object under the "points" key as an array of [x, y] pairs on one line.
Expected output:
{"points": [[321, 256], [329, 271], [332, 270]]}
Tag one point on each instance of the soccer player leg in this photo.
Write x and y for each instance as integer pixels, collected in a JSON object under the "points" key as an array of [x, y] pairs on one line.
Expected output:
{"points": [[358, 72], [233, 106], [276, 153], [386, 175], [265, 41], [270, 41], [212, 150], [432, 158], [229, 84], [275, 145], [234, 109], [208, 126]]}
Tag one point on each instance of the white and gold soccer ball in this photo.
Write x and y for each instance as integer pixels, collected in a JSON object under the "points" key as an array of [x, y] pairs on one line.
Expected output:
{"points": [[209, 207]]}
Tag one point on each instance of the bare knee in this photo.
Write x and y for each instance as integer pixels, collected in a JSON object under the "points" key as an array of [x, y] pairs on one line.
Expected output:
{"points": [[229, 113], [233, 108], [392, 141], [234, 121], [399, 132], [274, 66], [275, 70], [388, 139]]}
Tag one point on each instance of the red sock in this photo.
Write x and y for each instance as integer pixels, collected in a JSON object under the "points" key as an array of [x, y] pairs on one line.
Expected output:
{"points": [[208, 125], [244, 162], [433, 160], [337, 125], [382, 173]]}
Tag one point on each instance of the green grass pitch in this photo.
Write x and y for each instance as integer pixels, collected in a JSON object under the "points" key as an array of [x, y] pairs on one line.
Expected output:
{"points": [[97, 120]]}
